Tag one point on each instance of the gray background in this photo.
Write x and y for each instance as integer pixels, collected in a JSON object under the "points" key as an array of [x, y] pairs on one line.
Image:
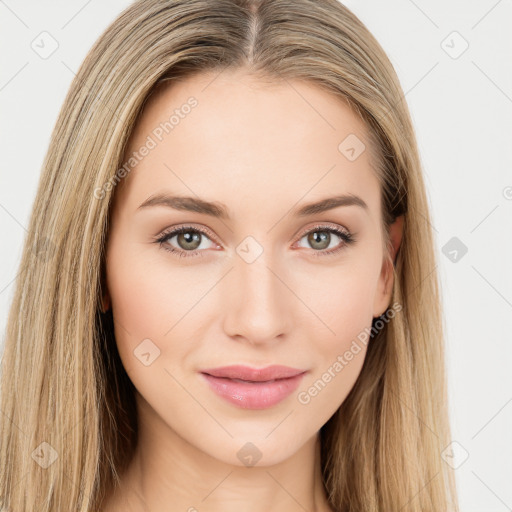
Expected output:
{"points": [[461, 104]]}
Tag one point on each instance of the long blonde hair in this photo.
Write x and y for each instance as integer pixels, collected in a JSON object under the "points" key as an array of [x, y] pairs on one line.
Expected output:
{"points": [[66, 401]]}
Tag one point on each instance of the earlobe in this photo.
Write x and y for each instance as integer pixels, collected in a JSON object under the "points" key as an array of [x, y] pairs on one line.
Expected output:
{"points": [[386, 279]]}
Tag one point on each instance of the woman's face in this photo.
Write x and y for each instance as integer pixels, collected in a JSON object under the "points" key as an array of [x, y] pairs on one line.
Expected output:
{"points": [[251, 281]]}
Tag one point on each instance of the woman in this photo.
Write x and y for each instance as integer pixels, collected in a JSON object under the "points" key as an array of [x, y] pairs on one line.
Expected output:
{"points": [[228, 296]]}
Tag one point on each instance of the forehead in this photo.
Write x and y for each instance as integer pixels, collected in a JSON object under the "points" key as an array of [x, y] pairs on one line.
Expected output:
{"points": [[234, 135]]}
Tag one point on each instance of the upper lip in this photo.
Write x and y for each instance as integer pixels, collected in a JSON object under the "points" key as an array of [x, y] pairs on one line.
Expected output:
{"points": [[254, 374]]}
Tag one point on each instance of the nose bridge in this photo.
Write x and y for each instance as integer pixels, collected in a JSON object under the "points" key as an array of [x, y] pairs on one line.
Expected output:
{"points": [[259, 302]]}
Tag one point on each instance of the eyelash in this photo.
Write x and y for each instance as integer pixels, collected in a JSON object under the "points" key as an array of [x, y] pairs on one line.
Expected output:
{"points": [[346, 237]]}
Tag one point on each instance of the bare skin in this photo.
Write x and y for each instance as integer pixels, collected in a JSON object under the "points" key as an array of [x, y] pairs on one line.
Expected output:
{"points": [[263, 152]]}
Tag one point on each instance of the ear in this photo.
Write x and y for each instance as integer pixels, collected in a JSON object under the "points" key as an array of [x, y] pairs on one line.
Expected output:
{"points": [[386, 278]]}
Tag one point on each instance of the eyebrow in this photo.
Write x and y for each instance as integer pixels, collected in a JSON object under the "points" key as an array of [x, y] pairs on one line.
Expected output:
{"points": [[219, 210]]}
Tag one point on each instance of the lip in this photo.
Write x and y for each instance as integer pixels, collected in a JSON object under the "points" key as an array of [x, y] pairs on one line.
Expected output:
{"points": [[253, 388], [248, 373]]}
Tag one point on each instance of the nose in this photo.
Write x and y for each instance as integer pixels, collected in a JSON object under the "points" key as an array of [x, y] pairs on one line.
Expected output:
{"points": [[258, 302]]}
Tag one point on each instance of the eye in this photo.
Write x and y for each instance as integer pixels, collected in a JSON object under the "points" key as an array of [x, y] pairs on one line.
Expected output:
{"points": [[188, 240], [320, 238]]}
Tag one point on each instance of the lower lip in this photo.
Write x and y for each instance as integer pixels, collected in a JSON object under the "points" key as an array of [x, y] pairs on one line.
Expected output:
{"points": [[253, 395]]}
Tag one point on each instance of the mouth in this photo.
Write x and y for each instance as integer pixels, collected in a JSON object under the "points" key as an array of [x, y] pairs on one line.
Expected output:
{"points": [[253, 388], [249, 374]]}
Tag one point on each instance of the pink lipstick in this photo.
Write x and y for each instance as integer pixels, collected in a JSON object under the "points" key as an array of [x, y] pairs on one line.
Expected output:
{"points": [[253, 388]]}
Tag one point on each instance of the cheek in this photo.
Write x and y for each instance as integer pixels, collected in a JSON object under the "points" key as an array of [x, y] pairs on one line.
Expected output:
{"points": [[148, 303], [345, 305], [149, 292], [344, 302]]}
